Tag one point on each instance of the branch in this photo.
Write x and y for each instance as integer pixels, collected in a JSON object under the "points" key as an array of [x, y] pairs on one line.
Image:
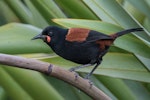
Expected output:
{"points": [[56, 72]]}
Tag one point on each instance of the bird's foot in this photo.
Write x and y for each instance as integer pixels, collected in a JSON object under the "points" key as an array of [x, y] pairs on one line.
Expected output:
{"points": [[72, 69], [90, 82], [75, 73]]}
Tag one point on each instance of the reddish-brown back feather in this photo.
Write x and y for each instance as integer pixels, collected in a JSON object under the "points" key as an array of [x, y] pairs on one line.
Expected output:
{"points": [[77, 34], [104, 43]]}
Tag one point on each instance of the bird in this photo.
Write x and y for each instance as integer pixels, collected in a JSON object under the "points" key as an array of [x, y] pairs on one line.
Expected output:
{"points": [[80, 45]]}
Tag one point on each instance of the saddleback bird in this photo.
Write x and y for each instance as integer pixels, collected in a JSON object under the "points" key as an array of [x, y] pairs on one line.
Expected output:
{"points": [[82, 46]]}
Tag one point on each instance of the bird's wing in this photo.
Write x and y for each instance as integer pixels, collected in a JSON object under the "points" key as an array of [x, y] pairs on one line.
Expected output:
{"points": [[97, 36], [77, 34]]}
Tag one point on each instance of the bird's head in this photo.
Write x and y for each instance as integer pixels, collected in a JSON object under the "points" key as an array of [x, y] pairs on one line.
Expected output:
{"points": [[50, 34]]}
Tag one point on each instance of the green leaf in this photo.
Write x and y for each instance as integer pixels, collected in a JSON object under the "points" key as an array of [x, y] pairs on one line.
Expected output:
{"points": [[75, 9], [103, 87], [145, 61], [12, 87], [114, 11], [7, 15], [117, 87], [16, 39], [141, 5], [91, 24], [146, 24], [136, 88], [3, 95], [33, 83], [124, 66], [38, 19], [48, 9], [20, 10], [99, 11], [139, 16], [65, 89]]}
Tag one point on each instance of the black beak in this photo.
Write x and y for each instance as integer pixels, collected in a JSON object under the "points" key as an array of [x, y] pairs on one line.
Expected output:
{"points": [[39, 36]]}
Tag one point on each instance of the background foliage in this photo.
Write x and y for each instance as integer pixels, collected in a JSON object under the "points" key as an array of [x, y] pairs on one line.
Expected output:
{"points": [[124, 73]]}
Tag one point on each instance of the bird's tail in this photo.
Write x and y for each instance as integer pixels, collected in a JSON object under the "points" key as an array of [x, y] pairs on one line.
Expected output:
{"points": [[118, 34]]}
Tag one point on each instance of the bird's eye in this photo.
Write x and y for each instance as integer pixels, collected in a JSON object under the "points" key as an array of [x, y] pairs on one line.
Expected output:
{"points": [[50, 33]]}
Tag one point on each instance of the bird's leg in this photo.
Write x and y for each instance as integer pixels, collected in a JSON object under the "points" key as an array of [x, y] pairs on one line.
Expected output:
{"points": [[89, 74], [98, 63], [78, 67]]}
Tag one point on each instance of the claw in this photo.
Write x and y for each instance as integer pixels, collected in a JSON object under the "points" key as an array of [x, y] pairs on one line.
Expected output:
{"points": [[71, 69], [89, 81], [87, 77], [76, 75]]}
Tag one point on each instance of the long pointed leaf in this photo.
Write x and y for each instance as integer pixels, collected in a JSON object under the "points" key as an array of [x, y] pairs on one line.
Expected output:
{"points": [[117, 13], [16, 39]]}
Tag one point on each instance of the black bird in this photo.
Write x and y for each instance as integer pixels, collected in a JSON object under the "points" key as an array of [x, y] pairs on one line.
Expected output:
{"points": [[82, 46]]}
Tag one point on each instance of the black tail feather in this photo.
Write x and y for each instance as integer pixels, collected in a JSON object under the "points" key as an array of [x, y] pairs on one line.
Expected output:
{"points": [[128, 31]]}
